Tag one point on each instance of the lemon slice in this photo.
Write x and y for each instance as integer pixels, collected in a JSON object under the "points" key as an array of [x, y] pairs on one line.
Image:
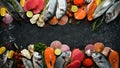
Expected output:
{"points": [[2, 50], [29, 14], [74, 8], [3, 11], [57, 51], [98, 2], [22, 2], [10, 54]]}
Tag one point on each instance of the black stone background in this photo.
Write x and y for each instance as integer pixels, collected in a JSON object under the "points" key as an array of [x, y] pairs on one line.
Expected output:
{"points": [[75, 35]]}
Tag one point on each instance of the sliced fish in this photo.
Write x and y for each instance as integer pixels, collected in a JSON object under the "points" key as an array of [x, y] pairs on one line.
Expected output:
{"points": [[112, 12]]}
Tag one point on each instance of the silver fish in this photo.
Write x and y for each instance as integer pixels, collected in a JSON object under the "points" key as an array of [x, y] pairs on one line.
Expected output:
{"points": [[37, 60], [88, 1], [16, 11], [3, 59], [100, 60], [50, 9], [112, 12], [102, 8], [20, 9], [62, 59], [9, 64], [59, 62], [61, 9], [27, 63]]}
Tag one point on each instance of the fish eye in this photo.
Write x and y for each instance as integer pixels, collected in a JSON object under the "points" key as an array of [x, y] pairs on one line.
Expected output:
{"points": [[96, 53], [100, 57]]}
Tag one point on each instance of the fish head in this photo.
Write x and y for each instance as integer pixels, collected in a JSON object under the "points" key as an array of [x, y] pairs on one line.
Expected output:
{"points": [[100, 10], [98, 58], [37, 55], [60, 13], [109, 16], [112, 12], [47, 15]]}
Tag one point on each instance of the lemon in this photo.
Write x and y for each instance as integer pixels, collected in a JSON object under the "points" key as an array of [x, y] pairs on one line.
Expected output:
{"points": [[2, 50], [98, 2], [3, 11], [22, 2], [10, 54]]}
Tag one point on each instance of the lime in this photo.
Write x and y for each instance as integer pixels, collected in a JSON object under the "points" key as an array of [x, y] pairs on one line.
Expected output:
{"points": [[29, 14], [74, 8], [57, 51]]}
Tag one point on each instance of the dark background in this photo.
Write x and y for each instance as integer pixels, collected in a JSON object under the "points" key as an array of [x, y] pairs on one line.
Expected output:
{"points": [[75, 35]]}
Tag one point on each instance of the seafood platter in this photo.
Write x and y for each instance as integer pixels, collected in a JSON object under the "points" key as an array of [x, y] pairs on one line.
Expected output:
{"points": [[59, 33]]}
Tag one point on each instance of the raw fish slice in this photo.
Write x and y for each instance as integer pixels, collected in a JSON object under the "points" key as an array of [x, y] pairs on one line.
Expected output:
{"points": [[39, 7], [30, 4]]}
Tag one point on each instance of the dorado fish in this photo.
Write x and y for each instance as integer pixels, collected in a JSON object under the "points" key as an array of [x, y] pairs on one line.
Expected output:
{"points": [[100, 60], [50, 9], [61, 9], [104, 5], [27, 63], [112, 12], [37, 60]]}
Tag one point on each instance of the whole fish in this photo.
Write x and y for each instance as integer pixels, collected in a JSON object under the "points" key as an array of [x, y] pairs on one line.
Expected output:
{"points": [[59, 62], [61, 9], [37, 60], [19, 9], [112, 12], [9, 64], [104, 5], [16, 11], [50, 9], [3, 59], [62, 59], [100, 60], [27, 63]]}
